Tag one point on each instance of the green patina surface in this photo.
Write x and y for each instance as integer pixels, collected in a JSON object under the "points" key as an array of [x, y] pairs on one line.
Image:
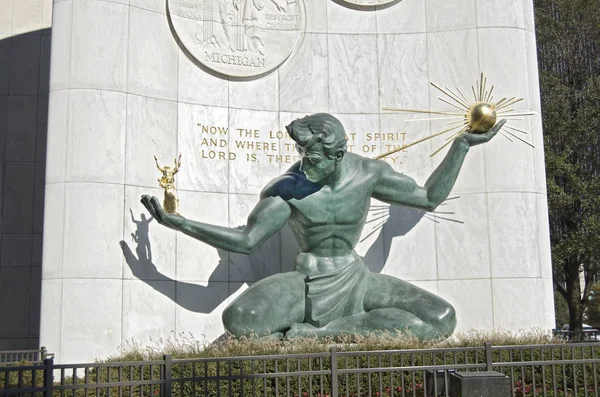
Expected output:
{"points": [[325, 200]]}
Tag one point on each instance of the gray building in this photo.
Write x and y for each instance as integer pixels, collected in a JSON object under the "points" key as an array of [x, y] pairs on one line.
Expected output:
{"points": [[24, 77]]}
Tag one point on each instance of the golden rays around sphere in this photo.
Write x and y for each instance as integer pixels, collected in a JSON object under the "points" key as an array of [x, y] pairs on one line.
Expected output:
{"points": [[477, 115], [481, 117]]}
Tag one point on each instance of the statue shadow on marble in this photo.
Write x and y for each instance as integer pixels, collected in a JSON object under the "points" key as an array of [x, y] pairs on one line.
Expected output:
{"points": [[202, 299]]}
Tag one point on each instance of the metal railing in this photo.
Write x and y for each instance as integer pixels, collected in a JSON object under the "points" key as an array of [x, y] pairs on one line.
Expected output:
{"points": [[17, 356], [536, 370], [592, 335]]}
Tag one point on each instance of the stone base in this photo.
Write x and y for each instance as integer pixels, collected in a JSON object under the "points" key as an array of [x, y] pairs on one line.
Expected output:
{"points": [[478, 384]]}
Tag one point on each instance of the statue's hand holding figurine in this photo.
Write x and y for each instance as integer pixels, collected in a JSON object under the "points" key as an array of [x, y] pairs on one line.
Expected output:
{"points": [[167, 182]]}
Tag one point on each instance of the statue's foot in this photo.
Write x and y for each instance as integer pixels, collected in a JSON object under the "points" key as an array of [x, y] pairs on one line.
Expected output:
{"points": [[302, 330], [274, 336]]}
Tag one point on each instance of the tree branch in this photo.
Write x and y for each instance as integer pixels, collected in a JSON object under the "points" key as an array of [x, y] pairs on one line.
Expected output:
{"points": [[561, 290]]}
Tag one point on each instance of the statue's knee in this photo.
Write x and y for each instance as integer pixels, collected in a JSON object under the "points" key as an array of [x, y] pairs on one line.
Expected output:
{"points": [[240, 320], [447, 320]]}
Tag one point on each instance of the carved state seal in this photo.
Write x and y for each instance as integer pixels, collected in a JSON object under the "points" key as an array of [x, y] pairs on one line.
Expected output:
{"points": [[240, 38]]}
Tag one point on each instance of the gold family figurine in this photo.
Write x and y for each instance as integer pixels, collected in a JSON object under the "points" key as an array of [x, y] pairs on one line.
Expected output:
{"points": [[167, 182]]}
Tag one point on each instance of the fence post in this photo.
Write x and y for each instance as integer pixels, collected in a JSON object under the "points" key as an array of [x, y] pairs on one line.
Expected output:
{"points": [[43, 352], [167, 375], [334, 370], [48, 376], [488, 356]]}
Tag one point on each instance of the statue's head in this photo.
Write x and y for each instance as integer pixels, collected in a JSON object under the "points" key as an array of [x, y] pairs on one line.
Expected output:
{"points": [[321, 142]]}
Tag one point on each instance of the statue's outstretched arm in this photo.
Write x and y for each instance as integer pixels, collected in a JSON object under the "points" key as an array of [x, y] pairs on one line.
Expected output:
{"points": [[177, 164], [158, 166], [396, 188], [268, 217]]}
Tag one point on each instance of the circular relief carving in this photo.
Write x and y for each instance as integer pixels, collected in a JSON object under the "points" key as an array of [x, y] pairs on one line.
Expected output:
{"points": [[368, 3], [239, 38]]}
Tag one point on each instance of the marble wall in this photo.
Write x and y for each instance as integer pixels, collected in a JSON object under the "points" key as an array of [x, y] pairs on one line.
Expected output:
{"points": [[123, 90], [24, 73]]}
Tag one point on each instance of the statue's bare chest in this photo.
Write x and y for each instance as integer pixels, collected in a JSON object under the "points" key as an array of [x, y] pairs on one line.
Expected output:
{"points": [[346, 206]]}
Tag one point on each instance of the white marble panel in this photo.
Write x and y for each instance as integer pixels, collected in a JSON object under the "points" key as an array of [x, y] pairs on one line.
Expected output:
{"points": [[509, 164], [500, 13], [361, 130], [514, 235], [27, 16], [303, 80], [259, 94], [88, 337], [54, 226], [149, 249], [96, 138], [548, 319], [203, 321], [151, 131], [200, 86], [150, 5], [56, 147], [46, 14], [472, 300], [93, 230], [518, 303], [60, 56], [544, 236], [462, 238], [253, 137], [533, 73], [445, 15], [149, 311], [505, 63], [528, 15], [265, 260], [196, 260], [99, 45], [6, 18], [206, 165], [152, 60], [348, 19], [50, 316], [352, 70], [407, 16], [316, 12], [415, 161], [403, 71], [409, 244], [453, 62]]}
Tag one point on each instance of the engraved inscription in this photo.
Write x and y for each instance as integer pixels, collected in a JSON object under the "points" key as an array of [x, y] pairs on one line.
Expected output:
{"points": [[253, 145], [240, 38]]}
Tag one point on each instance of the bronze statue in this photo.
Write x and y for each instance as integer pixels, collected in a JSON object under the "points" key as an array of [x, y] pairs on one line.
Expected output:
{"points": [[167, 182], [325, 199]]}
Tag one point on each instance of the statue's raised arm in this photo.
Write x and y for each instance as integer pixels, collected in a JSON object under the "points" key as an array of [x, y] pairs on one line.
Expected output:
{"points": [[396, 188]]}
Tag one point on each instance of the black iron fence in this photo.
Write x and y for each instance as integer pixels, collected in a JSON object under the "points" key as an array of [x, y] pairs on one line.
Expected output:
{"points": [[537, 370], [17, 356], [586, 335]]}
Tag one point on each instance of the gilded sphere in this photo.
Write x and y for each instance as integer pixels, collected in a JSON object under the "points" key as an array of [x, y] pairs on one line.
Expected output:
{"points": [[481, 117]]}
